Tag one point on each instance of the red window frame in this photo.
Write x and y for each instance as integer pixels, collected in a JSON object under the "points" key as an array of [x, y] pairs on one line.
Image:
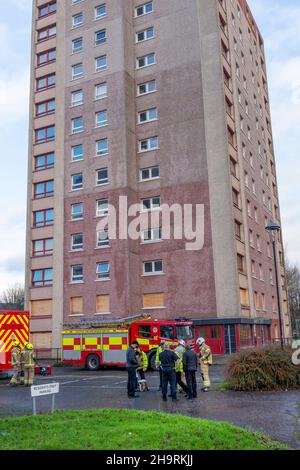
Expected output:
{"points": [[48, 6], [46, 139], [46, 53], [44, 251], [45, 113], [46, 166], [43, 282], [45, 193], [45, 77], [47, 30], [46, 223]]}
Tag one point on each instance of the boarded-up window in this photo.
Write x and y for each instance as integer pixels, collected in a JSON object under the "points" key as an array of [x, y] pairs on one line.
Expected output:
{"points": [[153, 300], [102, 304], [41, 340], [41, 307], [244, 297], [76, 305]]}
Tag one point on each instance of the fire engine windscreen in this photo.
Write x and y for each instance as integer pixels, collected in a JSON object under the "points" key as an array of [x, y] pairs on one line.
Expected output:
{"points": [[184, 332]]}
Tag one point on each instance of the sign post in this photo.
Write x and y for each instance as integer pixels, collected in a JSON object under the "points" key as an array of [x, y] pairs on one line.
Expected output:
{"points": [[44, 390]]}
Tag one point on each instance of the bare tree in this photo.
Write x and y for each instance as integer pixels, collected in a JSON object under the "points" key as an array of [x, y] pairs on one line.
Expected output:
{"points": [[293, 288], [14, 295]]}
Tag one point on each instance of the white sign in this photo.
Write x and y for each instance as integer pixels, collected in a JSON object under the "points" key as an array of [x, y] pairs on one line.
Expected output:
{"points": [[47, 389]]}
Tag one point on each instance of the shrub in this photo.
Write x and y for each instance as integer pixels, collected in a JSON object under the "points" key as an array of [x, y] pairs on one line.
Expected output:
{"points": [[263, 369]]}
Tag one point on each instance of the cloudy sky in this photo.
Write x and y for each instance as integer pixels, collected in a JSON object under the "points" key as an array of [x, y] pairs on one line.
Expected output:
{"points": [[279, 21]]}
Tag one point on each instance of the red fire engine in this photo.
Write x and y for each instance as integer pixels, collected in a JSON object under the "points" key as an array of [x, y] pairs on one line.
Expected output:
{"points": [[14, 325], [96, 344]]}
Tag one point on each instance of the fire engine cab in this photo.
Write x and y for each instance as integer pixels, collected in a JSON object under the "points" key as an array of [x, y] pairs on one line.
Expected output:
{"points": [[14, 325], [95, 344]]}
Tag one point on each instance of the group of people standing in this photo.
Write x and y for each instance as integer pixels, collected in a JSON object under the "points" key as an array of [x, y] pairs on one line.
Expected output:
{"points": [[172, 364], [23, 362]]}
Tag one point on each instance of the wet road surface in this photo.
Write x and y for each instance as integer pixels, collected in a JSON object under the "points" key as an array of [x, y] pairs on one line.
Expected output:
{"points": [[277, 414]]}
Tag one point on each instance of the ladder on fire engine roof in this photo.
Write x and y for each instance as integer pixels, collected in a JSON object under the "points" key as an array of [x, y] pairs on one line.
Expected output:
{"points": [[112, 322]]}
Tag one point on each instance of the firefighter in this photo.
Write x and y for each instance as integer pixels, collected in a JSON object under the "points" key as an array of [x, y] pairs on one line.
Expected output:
{"points": [[16, 363], [205, 360], [142, 368], [29, 362], [157, 362], [132, 365], [169, 363], [179, 370]]}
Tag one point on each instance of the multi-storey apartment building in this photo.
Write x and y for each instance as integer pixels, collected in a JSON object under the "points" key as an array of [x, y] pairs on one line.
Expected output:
{"points": [[163, 102]]}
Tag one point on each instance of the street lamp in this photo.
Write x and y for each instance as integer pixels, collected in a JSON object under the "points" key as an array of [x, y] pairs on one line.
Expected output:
{"points": [[272, 227]]}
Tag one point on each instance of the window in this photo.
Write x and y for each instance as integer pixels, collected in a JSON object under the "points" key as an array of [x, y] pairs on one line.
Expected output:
{"points": [[76, 182], [46, 33], [76, 305], [103, 303], [46, 57], [77, 153], [102, 176], [151, 235], [42, 247], [147, 87], [153, 267], [258, 244], [235, 198], [44, 162], [149, 173], [240, 263], [77, 45], [43, 83], [147, 116], [43, 189], [77, 20], [43, 218], [100, 11], [238, 229], [47, 9], [249, 211], [42, 277], [101, 119], [77, 211], [101, 63], [102, 239], [77, 242], [151, 203], [251, 238], [102, 147], [144, 9], [166, 331], [77, 273], [244, 296], [45, 107], [148, 144], [100, 37], [77, 98], [144, 331], [101, 91], [77, 125], [145, 34], [102, 208], [153, 300], [77, 71], [261, 273], [102, 271], [45, 134], [146, 61]]}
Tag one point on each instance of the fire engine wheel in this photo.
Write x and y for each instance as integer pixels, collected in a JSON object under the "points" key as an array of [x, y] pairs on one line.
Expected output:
{"points": [[152, 361], [93, 362]]}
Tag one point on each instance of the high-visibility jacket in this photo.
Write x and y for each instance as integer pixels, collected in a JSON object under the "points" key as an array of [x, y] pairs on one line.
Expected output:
{"points": [[28, 358], [179, 351], [142, 360], [158, 352], [205, 355], [16, 357]]}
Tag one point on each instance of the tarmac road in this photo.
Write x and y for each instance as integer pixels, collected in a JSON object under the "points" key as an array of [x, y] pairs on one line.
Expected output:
{"points": [[277, 414]]}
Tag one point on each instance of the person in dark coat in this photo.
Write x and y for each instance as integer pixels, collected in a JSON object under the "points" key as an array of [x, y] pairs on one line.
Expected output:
{"points": [[169, 361], [132, 365], [190, 364]]}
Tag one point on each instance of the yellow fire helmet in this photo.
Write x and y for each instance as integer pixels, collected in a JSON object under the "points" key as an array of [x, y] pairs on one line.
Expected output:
{"points": [[16, 344], [29, 346]]}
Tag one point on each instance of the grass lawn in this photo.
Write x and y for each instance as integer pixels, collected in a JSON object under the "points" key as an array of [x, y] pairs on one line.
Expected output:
{"points": [[111, 429]]}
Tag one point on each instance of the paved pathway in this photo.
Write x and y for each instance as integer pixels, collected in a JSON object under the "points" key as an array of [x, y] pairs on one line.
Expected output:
{"points": [[271, 413]]}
